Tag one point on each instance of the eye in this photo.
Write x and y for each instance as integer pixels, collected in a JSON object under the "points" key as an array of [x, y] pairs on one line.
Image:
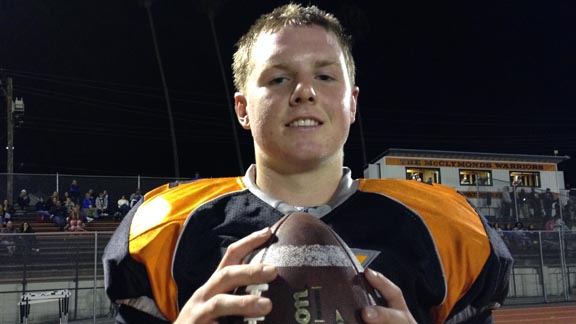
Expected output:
{"points": [[325, 77], [278, 80]]}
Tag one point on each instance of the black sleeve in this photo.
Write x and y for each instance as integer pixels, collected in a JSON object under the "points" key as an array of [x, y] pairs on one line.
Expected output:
{"points": [[490, 289], [124, 277], [129, 315]]}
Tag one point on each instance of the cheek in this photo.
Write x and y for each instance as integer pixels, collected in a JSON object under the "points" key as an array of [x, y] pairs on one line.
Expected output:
{"points": [[261, 124], [261, 114]]}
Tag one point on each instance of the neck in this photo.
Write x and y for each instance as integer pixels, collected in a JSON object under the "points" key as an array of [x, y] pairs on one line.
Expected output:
{"points": [[304, 188]]}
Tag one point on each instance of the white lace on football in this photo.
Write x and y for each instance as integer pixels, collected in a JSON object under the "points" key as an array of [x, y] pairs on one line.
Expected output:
{"points": [[257, 291], [308, 255]]}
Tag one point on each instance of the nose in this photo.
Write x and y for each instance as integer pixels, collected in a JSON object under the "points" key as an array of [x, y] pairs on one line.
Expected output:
{"points": [[303, 93]]}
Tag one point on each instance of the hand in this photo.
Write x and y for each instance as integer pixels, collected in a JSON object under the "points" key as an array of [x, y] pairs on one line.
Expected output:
{"points": [[396, 312], [213, 300]]}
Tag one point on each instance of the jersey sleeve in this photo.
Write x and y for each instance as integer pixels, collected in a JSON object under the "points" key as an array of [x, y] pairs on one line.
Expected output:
{"points": [[125, 279]]}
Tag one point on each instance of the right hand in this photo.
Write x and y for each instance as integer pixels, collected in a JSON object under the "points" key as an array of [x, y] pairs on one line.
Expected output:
{"points": [[214, 300]]}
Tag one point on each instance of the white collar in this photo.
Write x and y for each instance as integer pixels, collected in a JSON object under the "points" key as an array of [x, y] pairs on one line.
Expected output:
{"points": [[345, 189]]}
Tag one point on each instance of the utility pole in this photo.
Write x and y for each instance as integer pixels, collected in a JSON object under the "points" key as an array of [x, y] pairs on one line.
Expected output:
{"points": [[10, 145], [147, 4]]}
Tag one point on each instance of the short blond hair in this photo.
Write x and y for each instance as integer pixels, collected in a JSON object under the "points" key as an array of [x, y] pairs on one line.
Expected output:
{"points": [[284, 16]]}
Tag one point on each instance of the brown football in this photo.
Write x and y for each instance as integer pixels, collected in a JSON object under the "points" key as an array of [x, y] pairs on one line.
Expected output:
{"points": [[319, 278]]}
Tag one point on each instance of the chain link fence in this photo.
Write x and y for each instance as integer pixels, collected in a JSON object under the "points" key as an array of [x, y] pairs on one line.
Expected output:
{"points": [[45, 262], [544, 272], [526, 205], [44, 185], [544, 269]]}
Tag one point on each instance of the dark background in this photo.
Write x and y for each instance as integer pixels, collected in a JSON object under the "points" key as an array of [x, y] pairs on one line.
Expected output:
{"points": [[471, 76]]}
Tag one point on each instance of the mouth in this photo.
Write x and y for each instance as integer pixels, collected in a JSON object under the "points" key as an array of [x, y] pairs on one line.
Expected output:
{"points": [[304, 123]]}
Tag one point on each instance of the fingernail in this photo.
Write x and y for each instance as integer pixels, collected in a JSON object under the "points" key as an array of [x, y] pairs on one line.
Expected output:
{"points": [[262, 232], [268, 270], [371, 313], [263, 304], [373, 273]]}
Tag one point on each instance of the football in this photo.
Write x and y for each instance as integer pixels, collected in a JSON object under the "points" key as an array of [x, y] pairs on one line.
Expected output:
{"points": [[319, 278]]}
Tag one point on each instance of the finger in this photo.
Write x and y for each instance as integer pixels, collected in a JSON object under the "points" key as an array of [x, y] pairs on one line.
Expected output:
{"points": [[225, 305], [396, 311], [238, 250], [379, 315], [228, 278], [391, 293], [247, 306]]}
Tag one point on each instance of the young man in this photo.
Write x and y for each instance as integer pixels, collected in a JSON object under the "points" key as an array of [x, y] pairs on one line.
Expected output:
{"points": [[177, 256]]}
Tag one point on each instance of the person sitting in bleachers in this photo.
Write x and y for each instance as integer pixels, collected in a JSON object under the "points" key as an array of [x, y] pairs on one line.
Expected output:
{"points": [[135, 197], [88, 207], [58, 213], [9, 241], [102, 204], [29, 242], [42, 210], [23, 199], [75, 223], [123, 208], [5, 213]]}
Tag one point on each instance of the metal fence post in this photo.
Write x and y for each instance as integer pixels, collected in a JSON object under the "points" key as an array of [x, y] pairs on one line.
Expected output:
{"points": [[95, 278], [542, 267]]}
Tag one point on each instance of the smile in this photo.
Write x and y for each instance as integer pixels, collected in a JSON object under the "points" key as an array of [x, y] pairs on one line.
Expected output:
{"points": [[304, 123]]}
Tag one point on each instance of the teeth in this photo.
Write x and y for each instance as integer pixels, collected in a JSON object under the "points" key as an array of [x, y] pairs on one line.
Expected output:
{"points": [[303, 122]]}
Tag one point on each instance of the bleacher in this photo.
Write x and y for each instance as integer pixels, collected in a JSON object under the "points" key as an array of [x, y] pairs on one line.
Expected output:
{"points": [[42, 226], [61, 255]]}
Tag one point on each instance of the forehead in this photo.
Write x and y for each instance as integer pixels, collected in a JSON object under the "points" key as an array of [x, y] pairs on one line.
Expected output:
{"points": [[294, 43]]}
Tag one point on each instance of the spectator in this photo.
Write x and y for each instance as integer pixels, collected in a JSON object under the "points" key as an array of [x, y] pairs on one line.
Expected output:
{"points": [[135, 197], [66, 196], [506, 204], [547, 202], [42, 209], [88, 207], [29, 239], [102, 204], [8, 207], [58, 214], [523, 204], [23, 199], [74, 191], [5, 215], [56, 195], [75, 223], [498, 229], [123, 207], [534, 203], [69, 204], [9, 241], [569, 211]]}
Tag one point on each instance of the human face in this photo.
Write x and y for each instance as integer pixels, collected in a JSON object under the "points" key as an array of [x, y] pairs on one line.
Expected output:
{"points": [[299, 101]]}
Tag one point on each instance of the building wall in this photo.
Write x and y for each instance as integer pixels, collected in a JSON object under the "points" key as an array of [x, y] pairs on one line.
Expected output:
{"points": [[395, 167]]}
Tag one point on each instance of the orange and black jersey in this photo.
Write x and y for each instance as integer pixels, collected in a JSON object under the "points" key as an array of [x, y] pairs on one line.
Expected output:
{"points": [[430, 241]]}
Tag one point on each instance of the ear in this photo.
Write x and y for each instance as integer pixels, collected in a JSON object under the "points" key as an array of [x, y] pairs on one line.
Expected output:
{"points": [[240, 105], [353, 103]]}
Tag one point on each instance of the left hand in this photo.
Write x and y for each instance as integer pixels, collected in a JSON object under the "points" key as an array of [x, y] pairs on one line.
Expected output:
{"points": [[396, 312]]}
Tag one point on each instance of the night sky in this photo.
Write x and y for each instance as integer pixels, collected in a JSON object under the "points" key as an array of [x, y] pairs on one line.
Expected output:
{"points": [[471, 76]]}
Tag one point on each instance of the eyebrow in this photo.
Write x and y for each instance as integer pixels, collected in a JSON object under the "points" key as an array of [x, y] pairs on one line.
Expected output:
{"points": [[317, 64]]}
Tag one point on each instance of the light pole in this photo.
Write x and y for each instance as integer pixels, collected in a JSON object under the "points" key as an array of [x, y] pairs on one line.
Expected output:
{"points": [[210, 8], [147, 4], [10, 141], [514, 186], [558, 188]]}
